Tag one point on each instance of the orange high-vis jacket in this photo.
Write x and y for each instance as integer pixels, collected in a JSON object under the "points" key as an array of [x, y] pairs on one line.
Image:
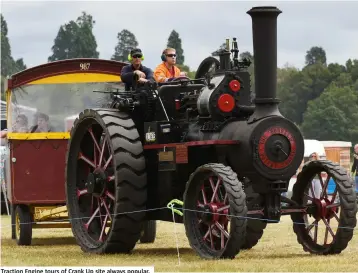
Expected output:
{"points": [[162, 72]]}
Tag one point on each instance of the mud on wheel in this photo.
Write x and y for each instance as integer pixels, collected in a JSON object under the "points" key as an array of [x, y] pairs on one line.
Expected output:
{"points": [[105, 182], [215, 212], [326, 192]]}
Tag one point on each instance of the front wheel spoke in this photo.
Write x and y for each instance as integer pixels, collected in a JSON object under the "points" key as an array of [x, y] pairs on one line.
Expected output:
{"points": [[107, 163], [222, 240], [211, 237], [102, 153], [99, 205], [222, 230], [324, 188], [334, 195], [111, 178], [110, 195], [107, 209], [312, 225], [92, 217], [326, 234], [215, 190], [225, 198], [87, 160], [81, 192], [223, 208], [207, 234], [328, 227], [94, 139], [336, 216], [103, 228], [335, 205], [323, 185], [204, 196]]}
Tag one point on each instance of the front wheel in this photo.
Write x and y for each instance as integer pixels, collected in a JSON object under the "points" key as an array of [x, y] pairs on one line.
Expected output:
{"points": [[326, 192], [215, 212]]}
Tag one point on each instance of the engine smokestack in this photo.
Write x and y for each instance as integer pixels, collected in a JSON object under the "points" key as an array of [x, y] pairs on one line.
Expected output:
{"points": [[264, 31]]}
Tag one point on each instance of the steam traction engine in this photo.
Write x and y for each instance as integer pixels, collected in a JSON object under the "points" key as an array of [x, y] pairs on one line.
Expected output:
{"points": [[202, 141]]}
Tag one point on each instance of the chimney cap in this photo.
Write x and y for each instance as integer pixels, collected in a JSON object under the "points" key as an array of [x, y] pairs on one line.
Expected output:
{"points": [[264, 9]]}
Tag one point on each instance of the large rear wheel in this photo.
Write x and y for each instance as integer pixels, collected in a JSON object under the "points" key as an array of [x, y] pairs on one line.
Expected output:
{"points": [[326, 192], [215, 212], [106, 182]]}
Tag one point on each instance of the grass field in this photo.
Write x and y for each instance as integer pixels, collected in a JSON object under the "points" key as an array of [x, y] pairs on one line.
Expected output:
{"points": [[277, 251]]}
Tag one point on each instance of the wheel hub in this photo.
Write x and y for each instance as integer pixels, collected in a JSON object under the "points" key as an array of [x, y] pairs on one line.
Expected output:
{"points": [[96, 183], [321, 211], [210, 214]]}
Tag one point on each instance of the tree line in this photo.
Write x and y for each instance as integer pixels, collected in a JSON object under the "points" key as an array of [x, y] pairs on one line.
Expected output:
{"points": [[321, 98]]}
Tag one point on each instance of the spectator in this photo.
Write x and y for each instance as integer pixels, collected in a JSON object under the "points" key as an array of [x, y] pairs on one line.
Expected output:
{"points": [[42, 124], [355, 166], [21, 124], [316, 183]]}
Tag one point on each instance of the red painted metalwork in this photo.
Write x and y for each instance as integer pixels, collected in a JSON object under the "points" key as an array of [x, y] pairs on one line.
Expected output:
{"points": [[262, 146], [235, 85], [37, 175], [192, 143], [65, 67], [214, 218], [226, 103]]}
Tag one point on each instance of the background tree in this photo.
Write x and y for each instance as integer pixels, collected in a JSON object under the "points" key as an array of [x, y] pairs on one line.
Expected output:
{"points": [[75, 39], [174, 41], [334, 114], [126, 42], [7, 62], [8, 65], [316, 55]]}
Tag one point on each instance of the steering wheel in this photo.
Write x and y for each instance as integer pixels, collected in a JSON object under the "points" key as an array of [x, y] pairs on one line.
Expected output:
{"points": [[179, 79]]}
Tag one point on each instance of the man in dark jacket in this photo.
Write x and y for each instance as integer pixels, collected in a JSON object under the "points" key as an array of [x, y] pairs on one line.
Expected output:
{"points": [[355, 165], [144, 73]]}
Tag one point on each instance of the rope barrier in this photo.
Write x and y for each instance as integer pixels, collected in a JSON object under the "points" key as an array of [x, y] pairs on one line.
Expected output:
{"points": [[177, 211]]}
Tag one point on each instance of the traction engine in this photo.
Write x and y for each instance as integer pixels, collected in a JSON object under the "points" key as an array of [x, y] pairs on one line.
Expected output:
{"points": [[205, 142]]}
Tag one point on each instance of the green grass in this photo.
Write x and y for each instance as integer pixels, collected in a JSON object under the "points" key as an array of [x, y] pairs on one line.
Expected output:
{"points": [[277, 251]]}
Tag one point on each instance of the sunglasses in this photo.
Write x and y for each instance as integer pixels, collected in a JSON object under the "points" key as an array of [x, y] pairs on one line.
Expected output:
{"points": [[171, 55], [137, 56]]}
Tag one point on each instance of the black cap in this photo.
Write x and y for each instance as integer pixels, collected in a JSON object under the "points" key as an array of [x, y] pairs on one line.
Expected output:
{"points": [[136, 51]]}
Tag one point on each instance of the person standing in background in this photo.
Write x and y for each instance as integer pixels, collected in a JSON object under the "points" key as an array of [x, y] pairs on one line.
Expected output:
{"points": [[317, 187], [355, 166]]}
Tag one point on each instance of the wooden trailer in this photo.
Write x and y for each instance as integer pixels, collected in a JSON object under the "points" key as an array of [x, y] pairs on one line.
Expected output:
{"points": [[339, 152]]}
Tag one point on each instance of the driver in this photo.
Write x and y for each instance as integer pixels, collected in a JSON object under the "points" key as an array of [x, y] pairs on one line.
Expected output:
{"points": [[167, 70], [145, 74]]}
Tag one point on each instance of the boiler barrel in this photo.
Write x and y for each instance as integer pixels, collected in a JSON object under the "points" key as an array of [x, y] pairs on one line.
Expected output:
{"points": [[264, 31]]}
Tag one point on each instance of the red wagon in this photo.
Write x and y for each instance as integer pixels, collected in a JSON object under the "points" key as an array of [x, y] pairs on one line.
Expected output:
{"points": [[42, 103]]}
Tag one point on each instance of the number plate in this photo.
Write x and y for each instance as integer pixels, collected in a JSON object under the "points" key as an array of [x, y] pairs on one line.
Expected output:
{"points": [[166, 156], [150, 136]]}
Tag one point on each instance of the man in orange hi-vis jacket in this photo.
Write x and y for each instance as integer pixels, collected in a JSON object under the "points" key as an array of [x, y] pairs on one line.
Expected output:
{"points": [[167, 70]]}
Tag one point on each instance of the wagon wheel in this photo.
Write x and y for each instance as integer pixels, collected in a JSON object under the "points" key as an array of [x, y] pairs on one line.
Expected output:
{"points": [[23, 225], [327, 193], [255, 227], [149, 231], [13, 222], [105, 182], [214, 203]]}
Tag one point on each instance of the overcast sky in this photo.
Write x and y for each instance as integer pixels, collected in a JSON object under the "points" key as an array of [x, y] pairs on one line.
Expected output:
{"points": [[202, 26]]}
